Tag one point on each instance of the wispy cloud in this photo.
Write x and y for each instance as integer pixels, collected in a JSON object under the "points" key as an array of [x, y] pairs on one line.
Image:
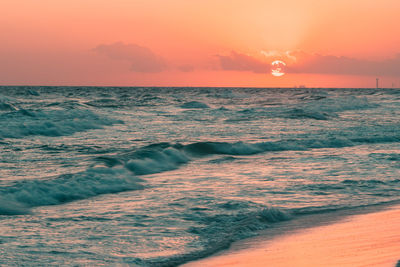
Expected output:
{"points": [[142, 59], [241, 62], [279, 55]]}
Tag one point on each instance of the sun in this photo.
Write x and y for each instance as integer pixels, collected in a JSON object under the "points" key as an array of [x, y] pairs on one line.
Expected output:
{"points": [[277, 68]]}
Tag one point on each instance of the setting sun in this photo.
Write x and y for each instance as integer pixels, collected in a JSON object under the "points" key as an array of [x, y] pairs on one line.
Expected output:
{"points": [[277, 68]]}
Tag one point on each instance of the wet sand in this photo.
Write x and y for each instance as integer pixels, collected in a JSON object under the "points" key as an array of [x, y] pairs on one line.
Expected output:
{"points": [[371, 239]]}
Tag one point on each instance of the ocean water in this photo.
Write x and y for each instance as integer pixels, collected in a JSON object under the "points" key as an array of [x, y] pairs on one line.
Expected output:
{"points": [[161, 176]]}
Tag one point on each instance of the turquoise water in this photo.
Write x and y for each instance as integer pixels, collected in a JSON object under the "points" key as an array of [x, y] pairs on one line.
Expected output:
{"points": [[160, 176]]}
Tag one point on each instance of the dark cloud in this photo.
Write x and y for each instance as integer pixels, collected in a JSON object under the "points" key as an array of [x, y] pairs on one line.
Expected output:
{"points": [[242, 62], [141, 58], [315, 63]]}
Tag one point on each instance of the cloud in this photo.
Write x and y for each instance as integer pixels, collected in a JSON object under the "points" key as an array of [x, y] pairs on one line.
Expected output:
{"points": [[242, 62], [142, 59], [302, 62], [186, 68], [315, 63], [279, 55]]}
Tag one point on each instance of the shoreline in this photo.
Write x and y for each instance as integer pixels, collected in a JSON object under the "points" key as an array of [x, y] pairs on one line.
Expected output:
{"points": [[366, 236]]}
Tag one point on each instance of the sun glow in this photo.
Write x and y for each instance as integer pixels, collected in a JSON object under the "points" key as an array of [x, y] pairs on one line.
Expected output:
{"points": [[277, 68]]}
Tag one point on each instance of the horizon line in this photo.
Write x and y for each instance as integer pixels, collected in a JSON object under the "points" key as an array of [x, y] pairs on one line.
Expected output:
{"points": [[194, 86]]}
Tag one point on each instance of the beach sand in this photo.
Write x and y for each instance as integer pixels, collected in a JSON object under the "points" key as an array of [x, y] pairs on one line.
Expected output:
{"points": [[371, 239]]}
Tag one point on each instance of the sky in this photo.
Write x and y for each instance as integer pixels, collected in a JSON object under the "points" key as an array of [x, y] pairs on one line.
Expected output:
{"points": [[324, 43]]}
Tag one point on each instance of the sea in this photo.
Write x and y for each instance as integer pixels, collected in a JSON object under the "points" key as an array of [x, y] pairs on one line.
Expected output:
{"points": [[150, 176]]}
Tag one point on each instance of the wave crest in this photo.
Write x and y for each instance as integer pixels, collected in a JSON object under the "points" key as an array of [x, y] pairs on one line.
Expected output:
{"points": [[23, 195]]}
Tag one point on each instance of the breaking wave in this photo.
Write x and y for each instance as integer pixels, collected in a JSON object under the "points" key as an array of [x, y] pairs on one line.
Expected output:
{"points": [[22, 195], [162, 157]]}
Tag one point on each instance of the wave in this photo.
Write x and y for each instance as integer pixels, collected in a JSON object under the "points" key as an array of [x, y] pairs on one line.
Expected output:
{"points": [[10, 207], [317, 109], [66, 104], [147, 161], [119, 175], [299, 113], [20, 196], [22, 122], [7, 103], [105, 103], [223, 148], [219, 231], [122, 170], [322, 108], [194, 104], [386, 156], [340, 104], [162, 157]]}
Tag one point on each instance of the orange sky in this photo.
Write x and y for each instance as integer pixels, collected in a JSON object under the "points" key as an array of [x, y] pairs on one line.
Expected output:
{"points": [[341, 43]]}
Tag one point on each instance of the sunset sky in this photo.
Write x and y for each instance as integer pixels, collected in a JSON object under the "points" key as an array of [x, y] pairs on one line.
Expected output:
{"points": [[325, 43]]}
